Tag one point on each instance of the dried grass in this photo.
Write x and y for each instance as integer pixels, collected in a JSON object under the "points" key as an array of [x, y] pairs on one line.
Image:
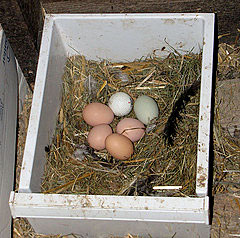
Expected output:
{"points": [[226, 154], [154, 162], [226, 147], [22, 133]]}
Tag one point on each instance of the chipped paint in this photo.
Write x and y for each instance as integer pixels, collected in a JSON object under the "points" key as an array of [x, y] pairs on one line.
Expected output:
{"points": [[200, 169]]}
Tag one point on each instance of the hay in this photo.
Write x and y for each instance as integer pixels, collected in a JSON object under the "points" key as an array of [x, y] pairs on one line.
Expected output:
{"points": [[223, 149], [154, 162], [226, 159], [23, 119], [226, 147]]}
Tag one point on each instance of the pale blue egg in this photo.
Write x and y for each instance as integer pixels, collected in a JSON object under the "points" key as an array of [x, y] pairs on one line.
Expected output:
{"points": [[146, 109]]}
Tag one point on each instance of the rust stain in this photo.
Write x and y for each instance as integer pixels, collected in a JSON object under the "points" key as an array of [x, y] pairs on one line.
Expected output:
{"points": [[85, 202], [169, 21], [202, 180], [200, 169], [181, 44], [102, 204]]}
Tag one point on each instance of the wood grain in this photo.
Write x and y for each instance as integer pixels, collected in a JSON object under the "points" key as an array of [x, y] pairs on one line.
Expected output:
{"points": [[22, 19], [19, 36], [228, 12], [31, 12]]}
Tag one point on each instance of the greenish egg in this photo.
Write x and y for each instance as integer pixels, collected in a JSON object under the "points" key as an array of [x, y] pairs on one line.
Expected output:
{"points": [[146, 109]]}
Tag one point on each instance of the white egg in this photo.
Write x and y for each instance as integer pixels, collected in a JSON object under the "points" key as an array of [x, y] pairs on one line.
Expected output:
{"points": [[146, 109], [120, 103]]}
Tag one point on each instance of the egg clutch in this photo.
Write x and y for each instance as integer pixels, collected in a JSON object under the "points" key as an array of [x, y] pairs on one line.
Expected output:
{"points": [[128, 130], [113, 118]]}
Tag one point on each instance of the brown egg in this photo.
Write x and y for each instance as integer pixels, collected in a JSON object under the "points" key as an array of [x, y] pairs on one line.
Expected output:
{"points": [[119, 146], [97, 136], [131, 128], [97, 113]]}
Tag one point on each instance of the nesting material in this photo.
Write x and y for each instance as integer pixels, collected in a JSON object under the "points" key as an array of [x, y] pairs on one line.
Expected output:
{"points": [[228, 88], [23, 119], [73, 167], [226, 168], [226, 139]]}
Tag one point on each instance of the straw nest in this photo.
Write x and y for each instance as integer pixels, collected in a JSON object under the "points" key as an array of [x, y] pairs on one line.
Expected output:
{"points": [[154, 162], [226, 150]]}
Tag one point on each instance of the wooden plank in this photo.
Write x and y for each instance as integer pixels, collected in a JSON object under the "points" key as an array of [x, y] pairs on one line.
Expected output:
{"points": [[228, 12], [31, 12], [228, 99], [19, 37], [22, 19]]}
